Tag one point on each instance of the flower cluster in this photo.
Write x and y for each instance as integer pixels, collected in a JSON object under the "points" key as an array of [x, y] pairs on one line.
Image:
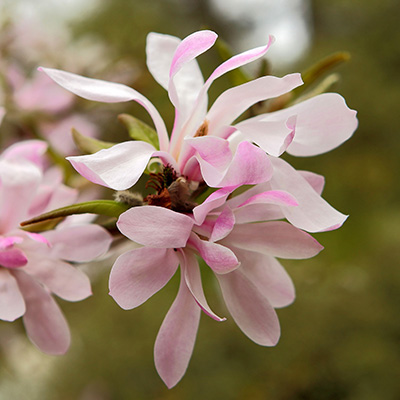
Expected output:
{"points": [[221, 194]]}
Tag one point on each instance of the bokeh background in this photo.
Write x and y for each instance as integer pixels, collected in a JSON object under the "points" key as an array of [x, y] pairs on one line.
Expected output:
{"points": [[341, 337]]}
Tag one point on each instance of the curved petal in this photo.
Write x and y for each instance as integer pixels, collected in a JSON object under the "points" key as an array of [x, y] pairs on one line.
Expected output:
{"points": [[12, 305], [155, 226], [233, 102], [316, 181], [30, 150], [118, 167], [61, 278], [272, 136], [268, 275], [278, 197], [44, 322], [108, 92], [251, 310], [176, 337], [79, 243], [313, 213], [219, 258], [223, 225], [276, 238], [192, 275], [322, 123], [139, 274], [12, 258]]}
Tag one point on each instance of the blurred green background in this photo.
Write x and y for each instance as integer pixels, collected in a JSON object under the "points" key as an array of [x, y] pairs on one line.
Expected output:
{"points": [[341, 337]]}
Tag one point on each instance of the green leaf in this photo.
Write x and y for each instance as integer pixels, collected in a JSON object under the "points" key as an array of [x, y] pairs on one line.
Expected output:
{"points": [[138, 130], [109, 208], [87, 144]]}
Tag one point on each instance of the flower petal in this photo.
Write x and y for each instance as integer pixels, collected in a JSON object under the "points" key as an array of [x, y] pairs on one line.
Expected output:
{"points": [[251, 310], [219, 258], [30, 150], [155, 226], [322, 123], [268, 275], [223, 225], [79, 243], [233, 102], [44, 322], [176, 337], [12, 305], [276, 238], [108, 92], [316, 181], [139, 274], [313, 213], [192, 275], [12, 258], [118, 167]]}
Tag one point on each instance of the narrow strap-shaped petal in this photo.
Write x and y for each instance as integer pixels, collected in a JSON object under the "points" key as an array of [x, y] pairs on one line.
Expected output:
{"points": [[44, 322], [61, 278], [268, 275], [250, 309], [223, 225], [313, 213], [108, 92], [192, 275], [79, 243], [322, 123], [175, 340], [279, 197], [140, 273], [233, 102], [118, 167], [219, 258], [12, 304], [276, 238], [155, 226]]}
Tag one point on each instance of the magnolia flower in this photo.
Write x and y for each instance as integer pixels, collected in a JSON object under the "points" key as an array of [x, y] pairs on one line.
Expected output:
{"points": [[32, 265]]}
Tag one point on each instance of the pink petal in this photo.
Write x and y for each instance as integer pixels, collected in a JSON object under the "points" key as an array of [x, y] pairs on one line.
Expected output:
{"points": [[9, 241], [12, 305], [44, 322], [313, 213], [219, 258], [19, 181], [322, 123], [61, 278], [80, 243], [155, 226], [268, 275], [272, 136], [139, 274], [108, 92], [213, 201], [223, 225], [12, 258], [191, 271], [118, 167], [316, 181], [278, 197], [176, 337], [251, 310], [276, 238], [233, 102], [257, 213], [250, 165], [29, 150]]}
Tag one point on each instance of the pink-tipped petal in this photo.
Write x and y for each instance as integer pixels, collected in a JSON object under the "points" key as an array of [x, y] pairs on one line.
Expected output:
{"points": [[176, 337], [322, 123], [139, 274], [233, 102], [30, 150], [192, 275], [12, 305], [268, 275], [275, 238], [313, 214], [223, 225], [12, 258], [44, 322], [155, 226], [249, 308], [118, 167], [79, 243], [107, 92], [219, 258]]}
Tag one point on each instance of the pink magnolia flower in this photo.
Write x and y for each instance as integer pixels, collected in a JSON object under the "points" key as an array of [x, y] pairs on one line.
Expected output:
{"points": [[33, 266], [241, 255]]}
